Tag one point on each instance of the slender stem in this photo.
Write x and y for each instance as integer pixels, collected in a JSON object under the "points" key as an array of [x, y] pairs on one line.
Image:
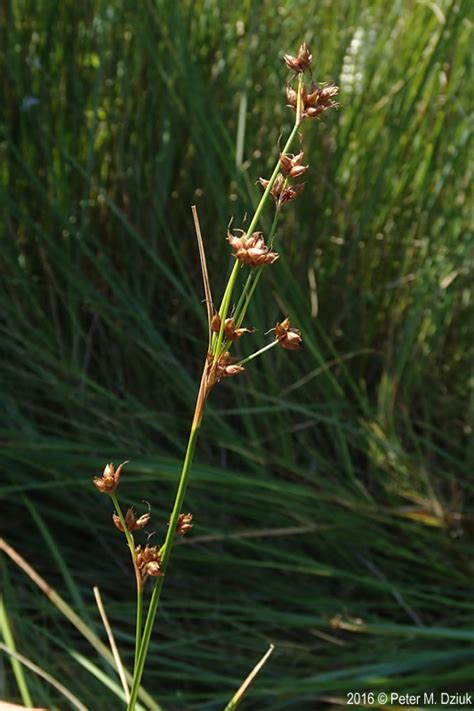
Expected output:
{"points": [[166, 553], [138, 627], [7, 635], [128, 535], [131, 545], [258, 353], [224, 310]]}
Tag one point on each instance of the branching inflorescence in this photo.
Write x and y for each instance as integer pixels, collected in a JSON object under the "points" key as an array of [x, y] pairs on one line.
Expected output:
{"points": [[253, 253]]}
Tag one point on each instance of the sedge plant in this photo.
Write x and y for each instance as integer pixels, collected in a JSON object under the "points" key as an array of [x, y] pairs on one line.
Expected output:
{"points": [[253, 254]]}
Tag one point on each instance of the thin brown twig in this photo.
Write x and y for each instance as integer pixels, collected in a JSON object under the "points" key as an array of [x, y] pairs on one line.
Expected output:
{"points": [[205, 275]]}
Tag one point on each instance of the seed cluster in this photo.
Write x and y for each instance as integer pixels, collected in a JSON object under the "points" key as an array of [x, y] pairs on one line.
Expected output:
{"points": [[108, 482], [251, 250]]}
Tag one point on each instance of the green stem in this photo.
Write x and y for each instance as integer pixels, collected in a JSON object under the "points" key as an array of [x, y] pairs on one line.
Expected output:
{"points": [[138, 628], [7, 635], [128, 535], [155, 598], [224, 310], [257, 353], [131, 545]]}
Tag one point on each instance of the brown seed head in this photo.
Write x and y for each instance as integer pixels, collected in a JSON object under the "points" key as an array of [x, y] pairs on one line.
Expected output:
{"points": [[291, 192], [231, 332], [301, 62], [251, 250], [153, 569], [132, 522], [147, 561], [216, 323], [291, 96], [184, 524], [288, 337], [282, 192], [319, 99], [225, 368], [107, 483], [277, 186], [291, 165]]}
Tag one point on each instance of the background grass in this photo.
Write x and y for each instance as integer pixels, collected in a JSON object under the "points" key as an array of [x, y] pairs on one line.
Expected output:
{"points": [[333, 489]]}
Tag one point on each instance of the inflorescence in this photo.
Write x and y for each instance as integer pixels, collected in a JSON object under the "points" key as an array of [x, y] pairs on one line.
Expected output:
{"points": [[309, 100]]}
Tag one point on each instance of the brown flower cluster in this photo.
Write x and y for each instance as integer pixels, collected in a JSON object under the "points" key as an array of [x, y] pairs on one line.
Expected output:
{"points": [[292, 165], [231, 332], [314, 102], [282, 192], [108, 482], [251, 250], [301, 62], [288, 337], [184, 524], [147, 561], [318, 98], [225, 367], [131, 521]]}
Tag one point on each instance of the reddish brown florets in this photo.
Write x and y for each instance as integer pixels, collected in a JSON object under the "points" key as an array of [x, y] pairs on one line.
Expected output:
{"points": [[231, 332], [251, 250], [132, 522], [108, 482], [282, 192], [147, 561], [225, 367], [184, 524], [288, 337], [292, 165], [301, 62], [314, 103]]}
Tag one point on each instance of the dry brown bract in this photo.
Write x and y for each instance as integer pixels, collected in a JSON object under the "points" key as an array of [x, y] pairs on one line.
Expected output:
{"points": [[224, 368], [184, 524], [230, 331], [319, 99], [288, 337], [281, 191], [147, 561], [131, 521], [107, 483], [251, 250], [301, 62], [292, 164]]}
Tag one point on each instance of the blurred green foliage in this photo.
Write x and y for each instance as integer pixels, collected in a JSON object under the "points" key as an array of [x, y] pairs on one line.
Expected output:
{"points": [[333, 489]]}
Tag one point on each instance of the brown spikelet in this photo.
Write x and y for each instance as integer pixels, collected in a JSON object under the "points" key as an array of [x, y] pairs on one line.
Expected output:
{"points": [[301, 62], [252, 250], [288, 337], [108, 482]]}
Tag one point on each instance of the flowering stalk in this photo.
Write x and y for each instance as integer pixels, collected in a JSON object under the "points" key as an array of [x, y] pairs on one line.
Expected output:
{"points": [[131, 545], [250, 250]]}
